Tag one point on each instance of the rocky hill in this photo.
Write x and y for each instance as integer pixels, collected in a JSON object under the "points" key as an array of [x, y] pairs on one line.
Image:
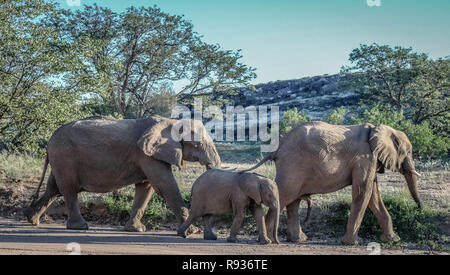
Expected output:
{"points": [[316, 96]]}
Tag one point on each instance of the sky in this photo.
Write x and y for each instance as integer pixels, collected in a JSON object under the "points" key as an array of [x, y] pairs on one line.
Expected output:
{"points": [[290, 39]]}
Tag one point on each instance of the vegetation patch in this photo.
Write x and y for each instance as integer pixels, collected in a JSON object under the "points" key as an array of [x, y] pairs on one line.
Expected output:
{"points": [[157, 213], [426, 227]]}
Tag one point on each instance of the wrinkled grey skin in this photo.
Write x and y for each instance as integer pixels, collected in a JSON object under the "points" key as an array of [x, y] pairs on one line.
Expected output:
{"points": [[102, 155], [317, 158], [218, 192]]}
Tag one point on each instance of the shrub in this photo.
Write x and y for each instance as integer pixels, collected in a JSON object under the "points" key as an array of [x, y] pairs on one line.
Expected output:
{"points": [[156, 213], [292, 118], [410, 223], [337, 116], [425, 142]]}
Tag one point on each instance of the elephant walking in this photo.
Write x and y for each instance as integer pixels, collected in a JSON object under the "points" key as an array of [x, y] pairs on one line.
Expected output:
{"points": [[101, 155], [219, 192], [317, 158]]}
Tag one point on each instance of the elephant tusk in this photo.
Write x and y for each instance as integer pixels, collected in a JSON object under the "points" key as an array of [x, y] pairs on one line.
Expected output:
{"points": [[414, 172]]}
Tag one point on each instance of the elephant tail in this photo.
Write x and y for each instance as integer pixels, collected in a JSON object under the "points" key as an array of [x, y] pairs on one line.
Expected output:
{"points": [[270, 156], [36, 195], [307, 198]]}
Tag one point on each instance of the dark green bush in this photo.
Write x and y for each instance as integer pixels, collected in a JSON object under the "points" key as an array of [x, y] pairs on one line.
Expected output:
{"points": [[292, 118], [158, 212], [423, 227], [425, 141]]}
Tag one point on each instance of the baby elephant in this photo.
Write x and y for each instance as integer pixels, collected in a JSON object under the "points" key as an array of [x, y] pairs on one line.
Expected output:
{"points": [[219, 192]]}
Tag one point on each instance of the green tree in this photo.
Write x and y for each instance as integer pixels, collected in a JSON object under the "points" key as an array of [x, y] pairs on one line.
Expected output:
{"points": [[292, 118], [410, 82], [124, 59], [337, 116], [33, 103]]}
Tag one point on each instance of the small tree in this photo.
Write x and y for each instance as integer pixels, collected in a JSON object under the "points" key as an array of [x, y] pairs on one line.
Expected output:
{"points": [[410, 82], [337, 116], [292, 118]]}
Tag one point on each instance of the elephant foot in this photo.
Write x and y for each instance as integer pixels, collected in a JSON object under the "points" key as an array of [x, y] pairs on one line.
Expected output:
{"points": [[232, 239], [181, 233], [135, 226], [301, 238], [209, 236], [31, 216], [77, 225], [351, 240], [389, 238], [264, 241], [275, 241]]}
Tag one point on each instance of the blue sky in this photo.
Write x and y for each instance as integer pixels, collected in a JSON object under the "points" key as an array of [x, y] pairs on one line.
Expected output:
{"points": [[288, 39]]}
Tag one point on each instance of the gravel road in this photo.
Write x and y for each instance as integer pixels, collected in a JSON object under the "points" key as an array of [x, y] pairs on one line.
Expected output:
{"points": [[19, 237]]}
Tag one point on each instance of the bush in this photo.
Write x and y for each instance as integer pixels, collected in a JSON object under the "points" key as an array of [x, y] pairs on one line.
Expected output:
{"points": [[425, 142], [410, 223], [156, 213], [292, 118], [337, 116]]}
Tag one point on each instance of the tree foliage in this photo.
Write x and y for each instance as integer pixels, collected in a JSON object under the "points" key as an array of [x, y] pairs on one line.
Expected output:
{"points": [[60, 65], [292, 118], [32, 56], [128, 57], [408, 81]]}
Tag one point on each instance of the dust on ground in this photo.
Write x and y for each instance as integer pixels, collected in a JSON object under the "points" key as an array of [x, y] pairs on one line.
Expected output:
{"points": [[19, 237]]}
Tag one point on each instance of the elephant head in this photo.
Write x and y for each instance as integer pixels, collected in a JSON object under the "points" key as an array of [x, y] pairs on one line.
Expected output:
{"points": [[394, 151], [265, 191], [165, 140]]}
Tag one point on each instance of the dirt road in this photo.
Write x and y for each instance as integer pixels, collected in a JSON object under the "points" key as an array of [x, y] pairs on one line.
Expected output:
{"points": [[19, 237]]}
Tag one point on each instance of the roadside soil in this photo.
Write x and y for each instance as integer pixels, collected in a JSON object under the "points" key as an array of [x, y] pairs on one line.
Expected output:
{"points": [[19, 237]]}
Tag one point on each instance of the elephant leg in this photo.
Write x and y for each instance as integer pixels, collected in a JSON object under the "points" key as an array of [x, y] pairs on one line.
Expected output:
{"points": [[208, 233], [294, 230], [378, 208], [361, 193], [239, 215], [190, 220], [258, 214], [75, 220], [143, 193], [161, 178], [35, 211], [69, 188]]}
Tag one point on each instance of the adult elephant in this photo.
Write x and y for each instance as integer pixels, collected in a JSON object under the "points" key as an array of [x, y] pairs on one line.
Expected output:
{"points": [[317, 157], [101, 155]]}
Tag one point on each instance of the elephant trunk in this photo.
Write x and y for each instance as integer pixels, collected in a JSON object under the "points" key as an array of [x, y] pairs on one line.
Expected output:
{"points": [[411, 175], [411, 180], [275, 219]]}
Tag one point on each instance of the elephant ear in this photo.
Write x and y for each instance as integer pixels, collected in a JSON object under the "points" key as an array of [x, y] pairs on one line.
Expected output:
{"points": [[252, 189], [157, 142], [388, 147]]}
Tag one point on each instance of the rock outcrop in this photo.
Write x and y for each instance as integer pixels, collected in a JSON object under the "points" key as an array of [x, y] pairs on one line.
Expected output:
{"points": [[316, 96]]}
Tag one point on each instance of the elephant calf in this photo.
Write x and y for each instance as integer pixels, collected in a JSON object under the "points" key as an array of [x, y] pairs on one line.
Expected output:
{"points": [[219, 192]]}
